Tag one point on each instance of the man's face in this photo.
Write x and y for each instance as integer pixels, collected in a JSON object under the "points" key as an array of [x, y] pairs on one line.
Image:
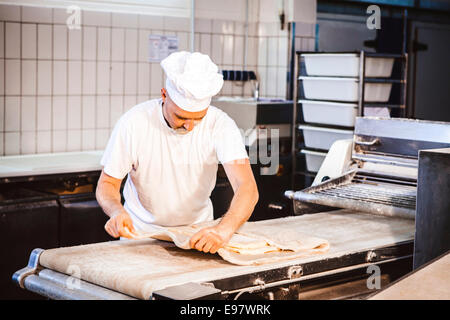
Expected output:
{"points": [[180, 120]]}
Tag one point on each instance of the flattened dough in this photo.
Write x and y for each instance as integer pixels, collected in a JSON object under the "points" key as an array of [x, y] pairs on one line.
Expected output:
{"points": [[254, 243]]}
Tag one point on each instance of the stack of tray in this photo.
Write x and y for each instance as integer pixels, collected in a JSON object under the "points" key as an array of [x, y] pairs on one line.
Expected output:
{"points": [[331, 91]]}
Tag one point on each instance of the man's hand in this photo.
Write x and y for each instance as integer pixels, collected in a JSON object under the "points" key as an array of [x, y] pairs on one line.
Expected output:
{"points": [[120, 225], [211, 239]]}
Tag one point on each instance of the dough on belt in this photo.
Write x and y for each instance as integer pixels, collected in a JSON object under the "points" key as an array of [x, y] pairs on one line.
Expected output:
{"points": [[254, 243]]}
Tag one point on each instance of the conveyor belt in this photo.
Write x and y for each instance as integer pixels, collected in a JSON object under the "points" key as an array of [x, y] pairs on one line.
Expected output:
{"points": [[138, 268]]}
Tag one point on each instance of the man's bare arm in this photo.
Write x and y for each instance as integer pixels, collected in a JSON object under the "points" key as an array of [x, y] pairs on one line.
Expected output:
{"points": [[244, 200], [245, 194], [108, 197]]}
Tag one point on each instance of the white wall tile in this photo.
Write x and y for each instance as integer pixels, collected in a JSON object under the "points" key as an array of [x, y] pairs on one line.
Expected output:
{"points": [[228, 50], [143, 45], [205, 44], [44, 77], [74, 85], [73, 140], [96, 18], [29, 82], [131, 44], [183, 41], [2, 40], [117, 76], [29, 113], [203, 25], [59, 111], [12, 77], [2, 77], [217, 49], [101, 138], [102, 112], [142, 98], [239, 28], [104, 44], [281, 82], [223, 27], [197, 42], [74, 44], [44, 113], [29, 34], [28, 142], [89, 43], [143, 78], [272, 52], [88, 112], [2, 114], [59, 77], [12, 113], [252, 51], [282, 51], [60, 42], [115, 110], [177, 23], [151, 22], [59, 140], [125, 20], [103, 77], [253, 28], [156, 79], [262, 51], [36, 14], [128, 103], [9, 13], [44, 141], [45, 38], [12, 143], [238, 50], [74, 112], [60, 16], [12, 40], [117, 45], [130, 78], [271, 83], [2, 151], [89, 80], [88, 139]]}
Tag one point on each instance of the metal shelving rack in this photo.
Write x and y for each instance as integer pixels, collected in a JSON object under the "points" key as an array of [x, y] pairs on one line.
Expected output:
{"points": [[362, 80], [402, 81]]}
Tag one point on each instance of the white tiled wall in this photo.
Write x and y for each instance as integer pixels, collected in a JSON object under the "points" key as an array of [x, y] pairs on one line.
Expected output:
{"points": [[63, 90]]}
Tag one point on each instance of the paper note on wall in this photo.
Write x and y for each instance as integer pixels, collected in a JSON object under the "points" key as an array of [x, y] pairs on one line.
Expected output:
{"points": [[161, 46]]}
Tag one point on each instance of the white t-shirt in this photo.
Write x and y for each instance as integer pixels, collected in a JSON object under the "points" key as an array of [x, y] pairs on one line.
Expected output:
{"points": [[170, 175]]}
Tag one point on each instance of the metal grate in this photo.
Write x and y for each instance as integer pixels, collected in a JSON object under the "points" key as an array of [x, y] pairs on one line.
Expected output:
{"points": [[386, 194]]}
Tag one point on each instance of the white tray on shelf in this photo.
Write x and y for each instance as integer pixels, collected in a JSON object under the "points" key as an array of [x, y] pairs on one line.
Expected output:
{"points": [[344, 89], [314, 159], [326, 112], [346, 65], [323, 138]]}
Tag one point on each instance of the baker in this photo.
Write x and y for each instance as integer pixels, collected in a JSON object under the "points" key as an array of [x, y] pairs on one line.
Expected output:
{"points": [[169, 149]]}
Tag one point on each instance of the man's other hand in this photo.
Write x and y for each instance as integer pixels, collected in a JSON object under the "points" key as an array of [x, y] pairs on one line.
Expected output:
{"points": [[210, 239], [120, 225]]}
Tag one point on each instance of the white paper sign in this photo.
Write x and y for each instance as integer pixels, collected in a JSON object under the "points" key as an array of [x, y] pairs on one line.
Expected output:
{"points": [[160, 47]]}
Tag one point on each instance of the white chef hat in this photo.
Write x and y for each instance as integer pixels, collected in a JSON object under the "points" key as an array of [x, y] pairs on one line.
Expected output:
{"points": [[192, 80]]}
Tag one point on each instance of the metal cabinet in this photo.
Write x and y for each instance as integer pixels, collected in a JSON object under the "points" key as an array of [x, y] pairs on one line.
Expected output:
{"points": [[28, 220], [82, 220]]}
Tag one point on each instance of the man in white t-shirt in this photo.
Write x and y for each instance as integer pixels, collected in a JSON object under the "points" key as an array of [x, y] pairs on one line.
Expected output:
{"points": [[169, 149]]}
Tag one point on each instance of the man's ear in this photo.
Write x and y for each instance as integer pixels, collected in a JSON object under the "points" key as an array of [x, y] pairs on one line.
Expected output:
{"points": [[163, 93]]}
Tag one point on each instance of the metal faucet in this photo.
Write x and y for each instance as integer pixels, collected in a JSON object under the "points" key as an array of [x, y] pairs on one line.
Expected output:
{"points": [[255, 89]]}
